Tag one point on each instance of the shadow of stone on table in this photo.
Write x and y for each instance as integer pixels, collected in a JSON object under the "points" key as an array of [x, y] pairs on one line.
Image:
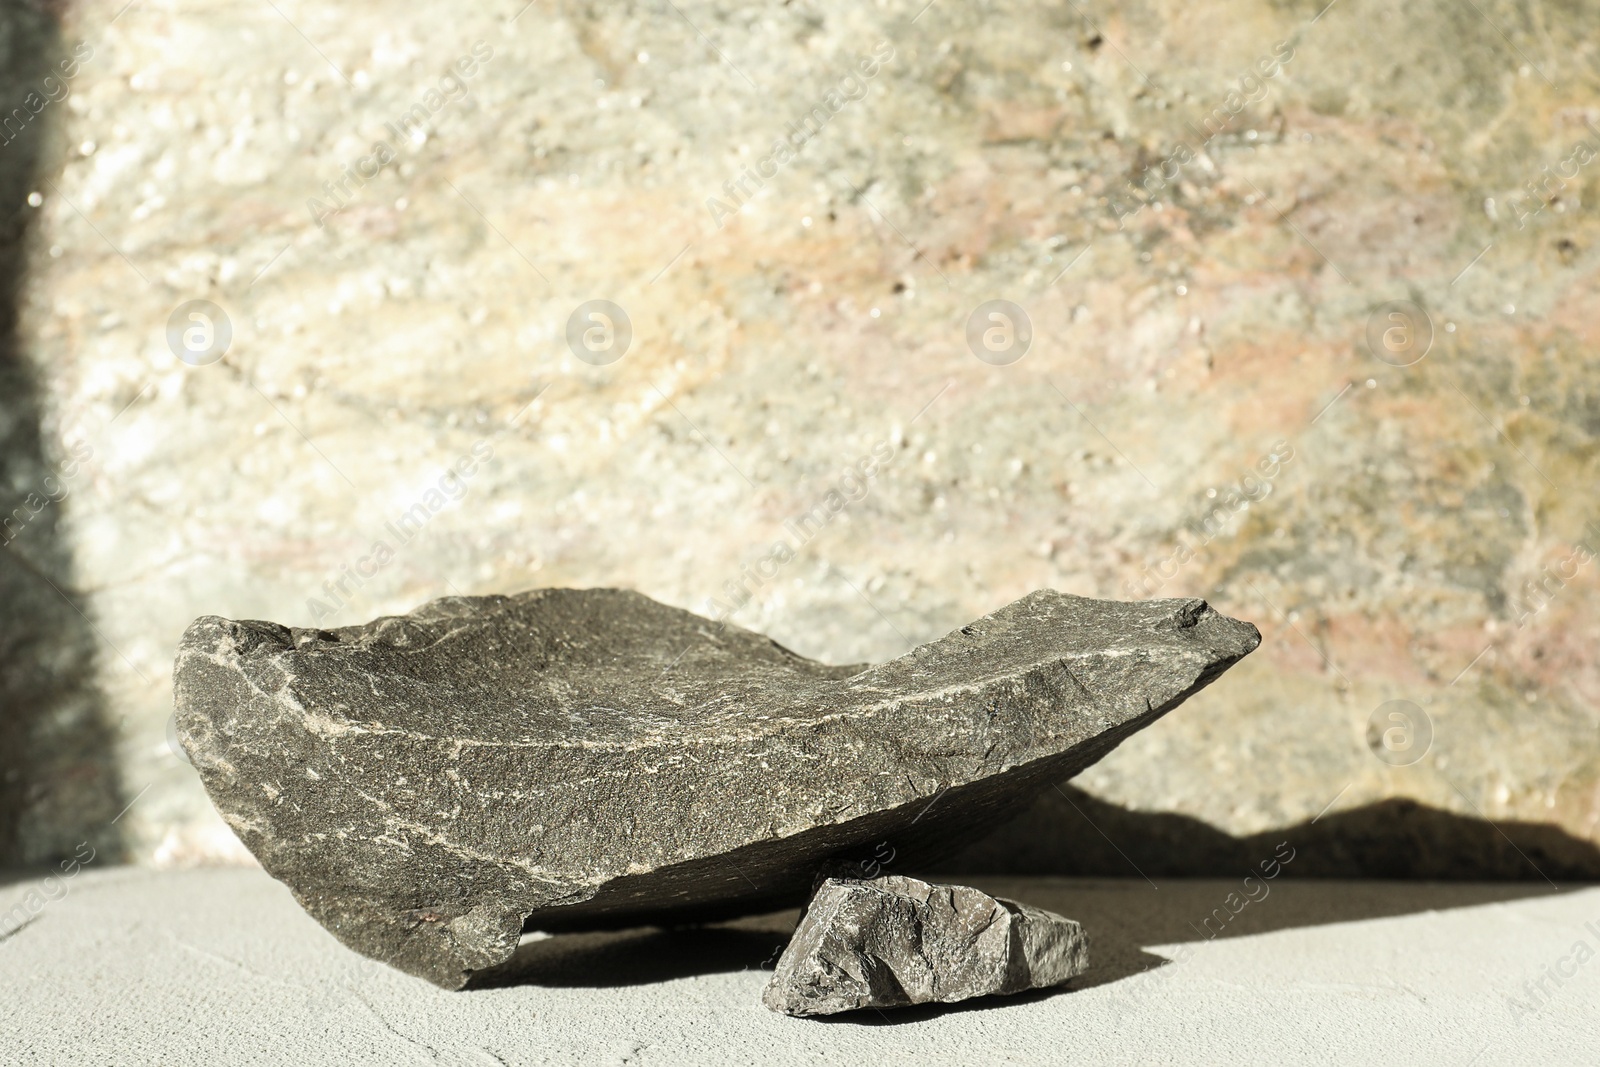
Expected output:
{"points": [[1423, 855], [1128, 916], [1134, 928], [642, 956], [58, 778], [921, 1013]]}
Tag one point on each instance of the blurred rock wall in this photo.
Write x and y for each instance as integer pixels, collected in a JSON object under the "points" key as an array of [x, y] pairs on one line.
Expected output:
{"points": [[1287, 306], [59, 758]]}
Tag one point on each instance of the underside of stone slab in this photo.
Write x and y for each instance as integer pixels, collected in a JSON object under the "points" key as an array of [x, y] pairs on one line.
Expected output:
{"points": [[432, 785], [892, 941]]}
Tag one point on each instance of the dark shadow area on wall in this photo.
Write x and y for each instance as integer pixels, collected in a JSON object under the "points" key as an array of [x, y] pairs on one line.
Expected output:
{"points": [[1385, 860], [1071, 833], [58, 779], [1132, 929]]}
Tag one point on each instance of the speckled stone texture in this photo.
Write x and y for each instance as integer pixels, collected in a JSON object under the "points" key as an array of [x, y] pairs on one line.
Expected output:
{"points": [[1212, 342], [431, 785], [893, 941]]}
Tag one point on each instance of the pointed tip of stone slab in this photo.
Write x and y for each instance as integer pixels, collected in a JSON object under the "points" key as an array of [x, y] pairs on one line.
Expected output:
{"points": [[893, 941], [430, 785]]}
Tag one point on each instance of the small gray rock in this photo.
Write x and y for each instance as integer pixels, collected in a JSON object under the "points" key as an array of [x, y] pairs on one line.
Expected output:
{"points": [[891, 941], [432, 785]]}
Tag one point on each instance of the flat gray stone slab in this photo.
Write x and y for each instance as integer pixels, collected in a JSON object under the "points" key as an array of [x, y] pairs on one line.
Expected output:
{"points": [[433, 785], [208, 967], [893, 941]]}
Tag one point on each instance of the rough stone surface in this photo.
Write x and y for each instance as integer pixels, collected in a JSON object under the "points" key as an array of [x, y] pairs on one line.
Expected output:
{"points": [[433, 784], [1397, 531], [891, 941]]}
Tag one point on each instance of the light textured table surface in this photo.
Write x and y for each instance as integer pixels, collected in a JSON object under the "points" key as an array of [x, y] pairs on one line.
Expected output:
{"points": [[130, 966]]}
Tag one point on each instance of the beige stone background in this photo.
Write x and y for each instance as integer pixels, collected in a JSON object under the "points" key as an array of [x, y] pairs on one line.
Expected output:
{"points": [[1173, 350]]}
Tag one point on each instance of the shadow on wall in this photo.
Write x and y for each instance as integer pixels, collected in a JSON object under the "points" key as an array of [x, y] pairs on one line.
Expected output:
{"points": [[1132, 930], [1069, 832], [58, 780], [1204, 893]]}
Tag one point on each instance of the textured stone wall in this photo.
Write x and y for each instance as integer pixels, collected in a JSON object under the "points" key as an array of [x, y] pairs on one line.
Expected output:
{"points": [[1203, 211], [59, 781]]}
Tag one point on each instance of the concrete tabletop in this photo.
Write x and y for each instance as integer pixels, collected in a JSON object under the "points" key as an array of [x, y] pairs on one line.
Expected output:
{"points": [[220, 966]]}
